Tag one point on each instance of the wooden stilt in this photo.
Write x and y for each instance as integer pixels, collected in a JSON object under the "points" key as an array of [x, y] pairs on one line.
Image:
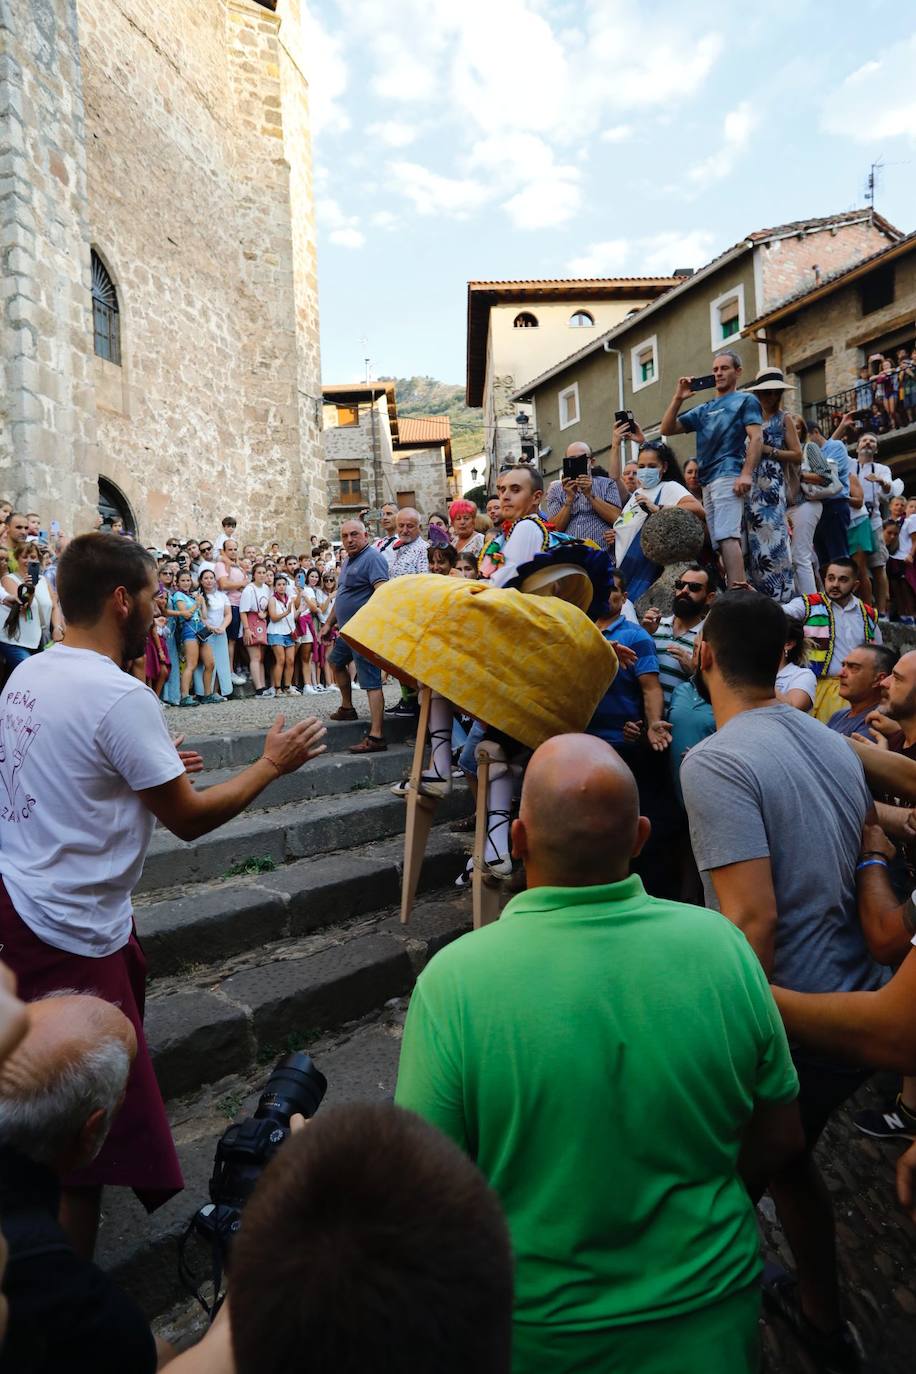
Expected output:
{"points": [[485, 896], [420, 813]]}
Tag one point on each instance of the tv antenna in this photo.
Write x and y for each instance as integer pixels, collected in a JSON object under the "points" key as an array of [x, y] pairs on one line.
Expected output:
{"points": [[871, 181]]}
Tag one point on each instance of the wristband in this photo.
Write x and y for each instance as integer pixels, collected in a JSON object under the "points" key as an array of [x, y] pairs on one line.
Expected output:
{"points": [[867, 863], [266, 759]]}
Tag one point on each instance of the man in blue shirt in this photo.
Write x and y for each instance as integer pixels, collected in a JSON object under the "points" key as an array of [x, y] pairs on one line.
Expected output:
{"points": [[830, 540], [729, 431], [364, 569]]}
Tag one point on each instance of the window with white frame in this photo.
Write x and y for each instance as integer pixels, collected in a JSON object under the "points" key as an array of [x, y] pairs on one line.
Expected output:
{"points": [[569, 406], [726, 317], [644, 363], [581, 319]]}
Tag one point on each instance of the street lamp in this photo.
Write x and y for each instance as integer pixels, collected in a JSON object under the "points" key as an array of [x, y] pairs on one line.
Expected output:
{"points": [[473, 475], [523, 422]]}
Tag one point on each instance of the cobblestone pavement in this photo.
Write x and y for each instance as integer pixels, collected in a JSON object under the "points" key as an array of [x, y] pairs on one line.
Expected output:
{"points": [[253, 713]]}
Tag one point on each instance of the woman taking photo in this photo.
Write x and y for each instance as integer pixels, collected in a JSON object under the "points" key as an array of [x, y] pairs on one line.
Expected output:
{"points": [[307, 626], [231, 579], [659, 485], [281, 629], [253, 614], [769, 565]]}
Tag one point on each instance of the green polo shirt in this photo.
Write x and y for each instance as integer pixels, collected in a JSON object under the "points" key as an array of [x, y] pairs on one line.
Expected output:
{"points": [[598, 1053]]}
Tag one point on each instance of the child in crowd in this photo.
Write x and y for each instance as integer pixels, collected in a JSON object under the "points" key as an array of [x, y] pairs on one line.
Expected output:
{"points": [[442, 558], [281, 614], [466, 566]]}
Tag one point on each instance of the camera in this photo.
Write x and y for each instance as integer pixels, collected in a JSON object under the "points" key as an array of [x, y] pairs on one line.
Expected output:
{"points": [[296, 1086]]}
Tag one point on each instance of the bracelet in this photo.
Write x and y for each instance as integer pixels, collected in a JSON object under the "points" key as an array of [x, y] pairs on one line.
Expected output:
{"points": [[868, 863], [266, 759]]}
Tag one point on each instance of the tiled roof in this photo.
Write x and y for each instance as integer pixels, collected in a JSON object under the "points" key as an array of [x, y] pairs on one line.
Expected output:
{"points": [[834, 282], [424, 429], [510, 285], [799, 226]]}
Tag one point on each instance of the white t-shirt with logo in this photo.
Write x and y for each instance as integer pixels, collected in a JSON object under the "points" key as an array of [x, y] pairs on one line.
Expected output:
{"points": [[78, 739]]}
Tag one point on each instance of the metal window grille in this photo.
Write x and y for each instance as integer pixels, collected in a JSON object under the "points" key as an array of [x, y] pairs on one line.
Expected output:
{"points": [[106, 323]]}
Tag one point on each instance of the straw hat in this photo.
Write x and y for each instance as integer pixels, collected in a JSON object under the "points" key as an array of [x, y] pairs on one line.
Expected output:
{"points": [[770, 379]]}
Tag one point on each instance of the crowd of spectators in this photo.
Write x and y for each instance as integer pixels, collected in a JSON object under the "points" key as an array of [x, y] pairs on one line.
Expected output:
{"points": [[610, 1060]]}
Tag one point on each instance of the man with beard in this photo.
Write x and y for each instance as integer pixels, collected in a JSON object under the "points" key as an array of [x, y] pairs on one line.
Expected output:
{"points": [[88, 768], [676, 634], [834, 624]]}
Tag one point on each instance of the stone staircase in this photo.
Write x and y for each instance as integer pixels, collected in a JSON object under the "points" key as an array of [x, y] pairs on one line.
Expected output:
{"points": [[279, 931]]}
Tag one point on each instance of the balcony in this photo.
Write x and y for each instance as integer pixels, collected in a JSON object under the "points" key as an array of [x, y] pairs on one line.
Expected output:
{"points": [[896, 445]]}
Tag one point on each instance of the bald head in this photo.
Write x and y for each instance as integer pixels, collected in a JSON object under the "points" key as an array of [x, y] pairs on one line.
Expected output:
{"points": [[61, 1087], [578, 450], [579, 823]]}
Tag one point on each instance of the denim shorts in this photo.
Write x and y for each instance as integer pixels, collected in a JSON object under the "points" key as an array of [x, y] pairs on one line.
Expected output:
{"points": [[724, 510], [367, 675], [278, 641]]}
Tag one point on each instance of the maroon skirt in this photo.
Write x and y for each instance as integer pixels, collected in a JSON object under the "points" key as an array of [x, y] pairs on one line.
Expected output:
{"points": [[139, 1152]]}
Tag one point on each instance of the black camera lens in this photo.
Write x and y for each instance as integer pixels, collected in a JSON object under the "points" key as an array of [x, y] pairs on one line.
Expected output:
{"points": [[295, 1085]]}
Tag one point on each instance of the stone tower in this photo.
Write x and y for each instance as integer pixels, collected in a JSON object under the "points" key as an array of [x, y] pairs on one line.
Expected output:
{"points": [[157, 266]]}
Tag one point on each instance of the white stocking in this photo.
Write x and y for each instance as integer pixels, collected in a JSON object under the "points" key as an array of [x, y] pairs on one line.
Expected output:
{"points": [[499, 811], [441, 715]]}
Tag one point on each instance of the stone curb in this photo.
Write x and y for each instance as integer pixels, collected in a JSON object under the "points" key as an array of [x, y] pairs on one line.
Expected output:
{"points": [[238, 749]]}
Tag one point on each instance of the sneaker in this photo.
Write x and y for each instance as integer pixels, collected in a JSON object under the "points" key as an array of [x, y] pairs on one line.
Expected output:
{"points": [[238, 678], [290, 691], [261, 691], [270, 691], [370, 745], [213, 699], [189, 701], [310, 691], [836, 1352], [895, 1123], [343, 713], [403, 708]]}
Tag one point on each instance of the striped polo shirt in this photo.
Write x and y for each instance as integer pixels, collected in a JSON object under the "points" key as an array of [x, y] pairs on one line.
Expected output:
{"points": [[670, 671]]}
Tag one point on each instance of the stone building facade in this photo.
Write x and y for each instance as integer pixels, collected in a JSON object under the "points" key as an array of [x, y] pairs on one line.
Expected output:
{"points": [[374, 456], [164, 146]]}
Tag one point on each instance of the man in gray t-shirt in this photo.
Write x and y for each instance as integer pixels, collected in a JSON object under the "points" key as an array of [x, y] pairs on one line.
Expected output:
{"points": [[776, 804]]}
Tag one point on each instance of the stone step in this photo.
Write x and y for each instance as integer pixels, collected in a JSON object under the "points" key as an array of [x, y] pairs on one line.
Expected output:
{"points": [[298, 830], [215, 922], [201, 1027], [141, 1251], [238, 748], [328, 776]]}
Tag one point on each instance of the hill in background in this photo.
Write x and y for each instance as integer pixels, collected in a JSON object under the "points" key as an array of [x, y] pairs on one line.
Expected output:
{"points": [[426, 396]]}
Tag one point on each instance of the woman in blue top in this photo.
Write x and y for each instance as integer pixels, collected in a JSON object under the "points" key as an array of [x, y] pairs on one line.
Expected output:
{"points": [[769, 567], [192, 635]]}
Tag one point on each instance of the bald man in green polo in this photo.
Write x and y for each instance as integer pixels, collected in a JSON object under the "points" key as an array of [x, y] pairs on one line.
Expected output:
{"points": [[616, 1066]]}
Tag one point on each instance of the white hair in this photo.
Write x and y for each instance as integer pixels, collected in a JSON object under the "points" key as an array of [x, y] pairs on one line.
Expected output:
{"points": [[728, 353], [43, 1124], [354, 521]]}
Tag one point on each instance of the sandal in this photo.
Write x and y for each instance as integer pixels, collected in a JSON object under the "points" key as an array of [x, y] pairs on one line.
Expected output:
{"points": [[370, 745]]}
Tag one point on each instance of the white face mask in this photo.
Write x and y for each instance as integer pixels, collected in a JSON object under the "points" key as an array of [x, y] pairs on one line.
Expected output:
{"points": [[649, 477]]}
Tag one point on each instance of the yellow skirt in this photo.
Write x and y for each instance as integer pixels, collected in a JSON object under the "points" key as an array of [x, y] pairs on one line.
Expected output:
{"points": [[531, 666]]}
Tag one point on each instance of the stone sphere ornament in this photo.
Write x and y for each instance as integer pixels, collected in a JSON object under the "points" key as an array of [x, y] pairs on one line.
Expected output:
{"points": [[673, 538]]}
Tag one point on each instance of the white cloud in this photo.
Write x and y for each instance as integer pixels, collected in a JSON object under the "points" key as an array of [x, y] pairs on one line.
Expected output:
{"points": [[877, 100], [393, 132], [618, 133], [604, 259], [432, 194], [737, 128], [347, 237], [384, 219], [652, 255]]}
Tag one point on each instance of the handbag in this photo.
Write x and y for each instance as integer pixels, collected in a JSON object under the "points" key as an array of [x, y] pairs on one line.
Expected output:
{"points": [[813, 461]]}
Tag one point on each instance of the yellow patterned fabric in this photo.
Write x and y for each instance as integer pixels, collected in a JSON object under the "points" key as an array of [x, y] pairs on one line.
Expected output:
{"points": [[531, 666]]}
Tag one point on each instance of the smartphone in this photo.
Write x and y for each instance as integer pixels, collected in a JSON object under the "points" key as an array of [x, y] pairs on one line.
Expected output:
{"points": [[55, 527], [705, 383], [625, 417], [575, 467], [33, 569]]}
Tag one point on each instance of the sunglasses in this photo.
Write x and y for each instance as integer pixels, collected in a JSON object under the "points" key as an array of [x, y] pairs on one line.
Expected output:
{"points": [[171, 543], [205, 548], [691, 586]]}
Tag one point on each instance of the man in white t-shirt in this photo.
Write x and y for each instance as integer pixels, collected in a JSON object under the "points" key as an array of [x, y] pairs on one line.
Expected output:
{"points": [[87, 768]]}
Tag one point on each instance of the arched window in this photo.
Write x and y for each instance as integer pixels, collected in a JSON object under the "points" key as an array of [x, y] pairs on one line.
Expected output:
{"points": [[581, 320], [106, 323], [114, 505], [525, 321]]}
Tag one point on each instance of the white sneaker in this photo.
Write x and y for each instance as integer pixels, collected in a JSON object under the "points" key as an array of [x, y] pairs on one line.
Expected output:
{"points": [[238, 678], [290, 691], [270, 692], [310, 691]]}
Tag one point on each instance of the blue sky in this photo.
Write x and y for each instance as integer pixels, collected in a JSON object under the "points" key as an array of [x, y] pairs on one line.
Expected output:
{"points": [[459, 139]]}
